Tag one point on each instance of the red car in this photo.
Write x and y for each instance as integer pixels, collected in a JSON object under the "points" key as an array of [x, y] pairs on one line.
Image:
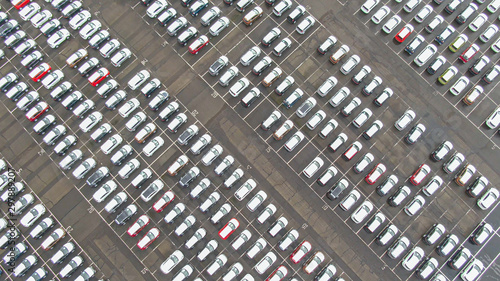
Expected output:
{"points": [[229, 228], [420, 174], [375, 174], [198, 44], [352, 150], [469, 53], [40, 71], [300, 252], [163, 202], [98, 76], [18, 4], [151, 236], [404, 33], [278, 275], [37, 110], [138, 225]]}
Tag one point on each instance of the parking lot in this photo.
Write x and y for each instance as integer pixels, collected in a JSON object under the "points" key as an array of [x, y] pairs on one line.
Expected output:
{"points": [[108, 248]]}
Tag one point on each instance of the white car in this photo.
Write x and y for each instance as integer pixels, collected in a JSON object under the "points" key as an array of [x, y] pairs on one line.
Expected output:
{"points": [[488, 198], [85, 167], [209, 202], [62, 253], [244, 236], [380, 14], [156, 8], [104, 191], [129, 168], [113, 142], [472, 271], [153, 146], [169, 264], [391, 24], [137, 80], [39, 19], [350, 200], [266, 262], [405, 120], [197, 236], [413, 258], [294, 141], [126, 109], [233, 178], [211, 155], [209, 247], [459, 86], [313, 167], [368, 6], [218, 263], [313, 262], [56, 39], [494, 119], [78, 20], [256, 248], [222, 212], [410, 5], [90, 29], [250, 55], [28, 11], [415, 205], [185, 225], [288, 239], [88, 123], [362, 212], [42, 227], [256, 201], [33, 215]]}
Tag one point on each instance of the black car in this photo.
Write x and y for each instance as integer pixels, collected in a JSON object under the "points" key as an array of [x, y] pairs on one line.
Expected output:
{"points": [[218, 65], [186, 3], [335, 192], [8, 27], [126, 214], [146, 2], [190, 176], [98, 176], [59, 4]]}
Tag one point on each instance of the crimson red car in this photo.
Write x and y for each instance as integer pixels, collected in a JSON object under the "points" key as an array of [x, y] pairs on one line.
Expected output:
{"points": [[279, 274], [404, 33], [229, 228], [420, 174], [375, 174], [469, 53], [149, 238], [37, 110], [198, 44], [300, 252], [18, 4], [163, 202], [40, 71], [138, 225], [98, 76]]}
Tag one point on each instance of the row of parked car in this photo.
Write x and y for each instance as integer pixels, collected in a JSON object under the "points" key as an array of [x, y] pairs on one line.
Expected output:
{"points": [[428, 52], [28, 219]]}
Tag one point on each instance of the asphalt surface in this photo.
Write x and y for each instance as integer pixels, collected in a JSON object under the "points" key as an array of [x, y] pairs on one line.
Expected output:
{"points": [[107, 248]]}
